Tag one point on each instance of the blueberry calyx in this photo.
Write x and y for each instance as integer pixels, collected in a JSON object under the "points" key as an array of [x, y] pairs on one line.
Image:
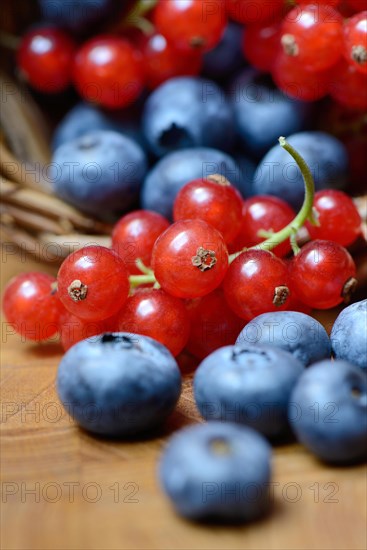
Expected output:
{"points": [[114, 338], [87, 142], [237, 351], [176, 137], [220, 446]]}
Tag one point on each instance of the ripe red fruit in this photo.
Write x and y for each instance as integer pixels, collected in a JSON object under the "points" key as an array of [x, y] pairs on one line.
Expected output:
{"points": [[134, 236], [261, 44], [190, 259], [322, 274], [156, 314], [73, 330], [31, 305], [355, 41], [109, 71], [254, 11], [213, 200], [349, 86], [45, 58], [93, 283]]}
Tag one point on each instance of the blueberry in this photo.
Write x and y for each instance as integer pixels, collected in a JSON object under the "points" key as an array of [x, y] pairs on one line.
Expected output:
{"points": [[247, 169], [178, 168], [84, 118], [187, 112], [292, 331], [217, 471], [226, 57], [76, 15], [263, 112], [277, 174], [248, 384], [118, 384], [349, 334], [100, 173], [328, 411]]}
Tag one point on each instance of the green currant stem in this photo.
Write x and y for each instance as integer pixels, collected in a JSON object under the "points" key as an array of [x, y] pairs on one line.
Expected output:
{"points": [[142, 267], [137, 280], [135, 18], [304, 214]]}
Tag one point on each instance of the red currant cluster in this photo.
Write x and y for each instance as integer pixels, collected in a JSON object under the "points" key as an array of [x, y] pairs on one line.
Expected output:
{"points": [[311, 50], [178, 283]]}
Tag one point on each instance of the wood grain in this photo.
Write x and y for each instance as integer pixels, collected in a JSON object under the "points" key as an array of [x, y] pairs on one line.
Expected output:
{"points": [[315, 506]]}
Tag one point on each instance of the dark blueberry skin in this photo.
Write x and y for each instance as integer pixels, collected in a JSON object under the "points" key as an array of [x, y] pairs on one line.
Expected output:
{"points": [[100, 173], [176, 169], [247, 170], [262, 112], [328, 411], [349, 334], [295, 332], [248, 384], [187, 112], [226, 57], [76, 15], [118, 384], [217, 471], [277, 174], [85, 118]]}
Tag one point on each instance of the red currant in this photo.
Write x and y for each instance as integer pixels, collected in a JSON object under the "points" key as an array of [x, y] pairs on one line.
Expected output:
{"points": [[322, 274], [256, 282], [213, 200], [108, 70], [355, 41], [45, 58], [263, 213], [349, 86], [31, 305], [162, 61], [93, 283], [254, 11], [156, 314], [190, 24], [134, 236], [73, 330], [261, 44], [338, 218], [356, 5], [313, 35], [213, 324], [190, 259]]}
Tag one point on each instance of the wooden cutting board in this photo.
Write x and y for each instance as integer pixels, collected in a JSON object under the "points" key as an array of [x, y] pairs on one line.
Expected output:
{"points": [[63, 489]]}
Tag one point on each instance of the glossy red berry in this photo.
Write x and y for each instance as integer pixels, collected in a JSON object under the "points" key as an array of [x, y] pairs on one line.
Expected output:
{"points": [[93, 283], [254, 11], [191, 24], [322, 274], [213, 200], [73, 330], [134, 236], [45, 58], [263, 212], [213, 324], [156, 314], [108, 70], [190, 259], [355, 41], [162, 61], [313, 35], [349, 86], [31, 305], [261, 44], [338, 218], [257, 281]]}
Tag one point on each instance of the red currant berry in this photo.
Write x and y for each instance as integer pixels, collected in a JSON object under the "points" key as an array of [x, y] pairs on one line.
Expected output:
{"points": [[313, 35], [349, 86], [261, 45], [256, 282], [297, 82], [31, 305], [355, 41], [93, 283], [254, 11], [356, 5], [190, 24], [213, 324], [156, 314], [190, 259], [263, 212], [322, 274], [45, 58], [73, 330], [162, 61], [109, 71], [134, 236], [338, 217], [213, 200], [333, 3]]}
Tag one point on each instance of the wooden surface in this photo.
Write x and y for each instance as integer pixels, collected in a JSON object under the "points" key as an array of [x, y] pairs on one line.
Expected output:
{"points": [[315, 506]]}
